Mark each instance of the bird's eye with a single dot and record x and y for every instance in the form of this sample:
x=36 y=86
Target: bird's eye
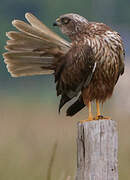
x=65 y=20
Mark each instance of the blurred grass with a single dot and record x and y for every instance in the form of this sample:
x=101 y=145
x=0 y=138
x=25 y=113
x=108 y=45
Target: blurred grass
x=27 y=135
x=51 y=163
x=30 y=127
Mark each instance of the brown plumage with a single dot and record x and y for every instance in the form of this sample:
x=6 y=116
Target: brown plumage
x=87 y=68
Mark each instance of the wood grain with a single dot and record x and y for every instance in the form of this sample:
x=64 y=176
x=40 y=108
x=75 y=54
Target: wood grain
x=97 y=148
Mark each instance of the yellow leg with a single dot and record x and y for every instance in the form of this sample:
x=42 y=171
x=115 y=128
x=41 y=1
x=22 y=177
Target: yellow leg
x=98 y=115
x=98 y=108
x=90 y=116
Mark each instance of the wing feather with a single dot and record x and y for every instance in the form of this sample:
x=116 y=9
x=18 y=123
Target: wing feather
x=75 y=73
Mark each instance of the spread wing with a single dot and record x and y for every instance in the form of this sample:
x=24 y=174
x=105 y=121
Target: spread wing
x=74 y=72
x=33 y=49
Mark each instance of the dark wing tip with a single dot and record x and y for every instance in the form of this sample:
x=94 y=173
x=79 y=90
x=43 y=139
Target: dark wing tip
x=64 y=99
x=76 y=107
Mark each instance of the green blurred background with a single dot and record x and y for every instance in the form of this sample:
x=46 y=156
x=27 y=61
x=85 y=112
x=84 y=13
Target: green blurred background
x=29 y=121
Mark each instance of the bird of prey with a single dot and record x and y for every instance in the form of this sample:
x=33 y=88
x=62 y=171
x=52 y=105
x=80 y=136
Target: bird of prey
x=88 y=67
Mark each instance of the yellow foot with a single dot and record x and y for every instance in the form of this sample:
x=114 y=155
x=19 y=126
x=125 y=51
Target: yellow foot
x=101 y=117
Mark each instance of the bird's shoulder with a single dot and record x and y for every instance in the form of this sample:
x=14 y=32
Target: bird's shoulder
x=96 y=28
x=100 y=31
x=103 y=40
x=107 y=45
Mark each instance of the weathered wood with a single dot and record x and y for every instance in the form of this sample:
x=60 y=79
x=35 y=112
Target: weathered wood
x=97 y=147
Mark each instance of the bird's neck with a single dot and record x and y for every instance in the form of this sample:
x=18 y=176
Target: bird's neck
x=79 y=33
x=76 y=36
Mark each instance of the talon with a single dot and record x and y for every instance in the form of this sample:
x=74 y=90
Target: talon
x=106 y=117
x=101 y=117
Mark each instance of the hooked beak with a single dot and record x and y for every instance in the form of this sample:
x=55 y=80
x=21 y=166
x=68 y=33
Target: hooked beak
x=57 y=22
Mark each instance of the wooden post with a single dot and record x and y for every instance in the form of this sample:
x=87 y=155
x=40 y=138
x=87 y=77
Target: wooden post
x=97 y=147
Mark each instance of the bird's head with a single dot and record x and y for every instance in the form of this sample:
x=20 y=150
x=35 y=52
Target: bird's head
x=71 y=24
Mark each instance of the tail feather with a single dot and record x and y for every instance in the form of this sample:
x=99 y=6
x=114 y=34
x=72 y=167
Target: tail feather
x=20 y=41
x=30 y=30
x=76 y=107
x=39 y=25
x=21 y=54
x=27 y=64
x=20 y=37
x=33 y=50
x=28 y=71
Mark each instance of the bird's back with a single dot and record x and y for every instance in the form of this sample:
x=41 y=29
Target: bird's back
x=108 y=53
